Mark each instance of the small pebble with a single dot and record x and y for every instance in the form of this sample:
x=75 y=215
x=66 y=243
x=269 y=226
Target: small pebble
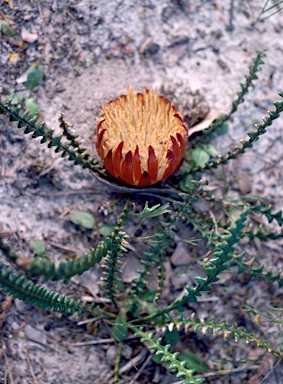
x=111 y=355
x=244 y=183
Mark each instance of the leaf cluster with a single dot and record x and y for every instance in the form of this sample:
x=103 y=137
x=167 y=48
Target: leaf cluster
x=37 y=295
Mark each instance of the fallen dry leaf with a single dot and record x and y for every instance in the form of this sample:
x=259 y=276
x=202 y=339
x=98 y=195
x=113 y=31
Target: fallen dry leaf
x=28 y=36
x=5 y=307
x=205 y=124
x=22 y=79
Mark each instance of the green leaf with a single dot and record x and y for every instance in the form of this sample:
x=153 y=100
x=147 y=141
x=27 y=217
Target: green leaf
x=35 y=75
x=38 y=247
x=32 y=107
x=200 y=156
x=211 y=150
x=222 y=129
x=172 y=337
x=120 y=330
x=84 y=219
x=106 y=229
x=154 y=211
x=186 y=183
x=150 y=309
x=15 y=99
x=5 y=29
x=149 y=295
x=134 y=307
x=193 y=362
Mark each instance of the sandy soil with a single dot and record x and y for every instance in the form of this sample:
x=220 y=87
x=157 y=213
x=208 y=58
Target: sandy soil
x=90 y=53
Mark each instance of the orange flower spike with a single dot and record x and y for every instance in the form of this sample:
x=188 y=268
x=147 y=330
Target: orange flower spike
x=172 y=165
x=109 y=163
x=136 y=166
x=145 y=180
x=152 y=165
x=117 y=160
x=141 y=138
x=176 y=149
x=99 y=137
x=127 y=171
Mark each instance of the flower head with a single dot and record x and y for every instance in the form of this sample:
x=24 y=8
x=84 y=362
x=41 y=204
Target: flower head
x=141 y=138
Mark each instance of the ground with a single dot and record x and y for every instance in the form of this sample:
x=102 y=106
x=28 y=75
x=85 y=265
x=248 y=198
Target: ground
x=91 y=52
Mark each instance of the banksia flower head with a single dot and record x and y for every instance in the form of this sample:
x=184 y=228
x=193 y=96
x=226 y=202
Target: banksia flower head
x=141 y=138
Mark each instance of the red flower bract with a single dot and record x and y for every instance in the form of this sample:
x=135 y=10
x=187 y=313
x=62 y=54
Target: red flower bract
x=141 y=138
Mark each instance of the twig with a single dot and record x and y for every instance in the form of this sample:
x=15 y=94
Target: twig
x=65 y=248
x=93 y=319
x=99 y=341
x=3 y=171
x=73 y=192
x=8 y=365
x=116 y=378
x=145 y=192
x=142 y=191
x=214 y=222
x=133 y=361
x=30 y=367
x=141 y=369
x=230 y=27
x=43 y=344
x=94 y=342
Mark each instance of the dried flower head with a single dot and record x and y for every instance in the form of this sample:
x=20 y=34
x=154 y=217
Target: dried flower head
x=141 y=138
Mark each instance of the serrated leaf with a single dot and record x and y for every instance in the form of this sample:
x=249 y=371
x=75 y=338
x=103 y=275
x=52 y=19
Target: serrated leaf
x=200 y=156
x=200 y=280
x=84 y=219
x=38 y=247
x=34 y=76
x=32 y=107
x=192 y=299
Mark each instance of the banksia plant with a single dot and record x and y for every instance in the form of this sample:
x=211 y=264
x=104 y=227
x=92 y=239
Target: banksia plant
x=141 y=138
